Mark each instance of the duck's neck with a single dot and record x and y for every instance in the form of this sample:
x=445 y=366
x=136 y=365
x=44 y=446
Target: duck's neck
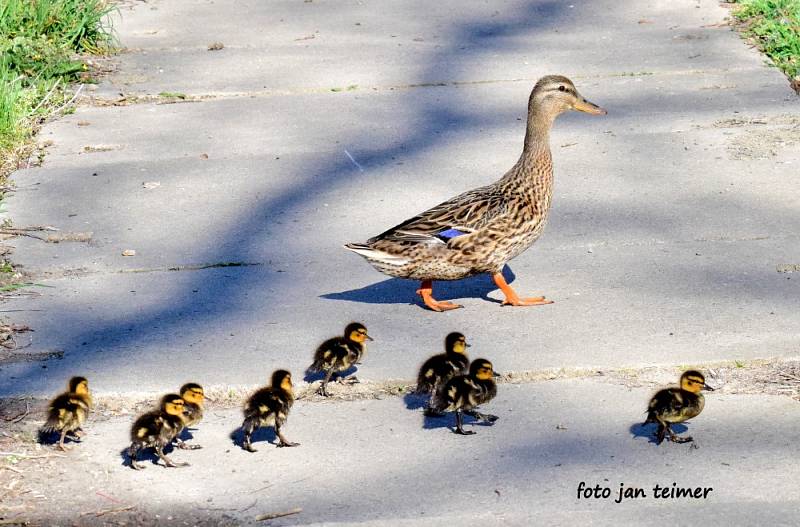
x=534 y=170
x=537 y=133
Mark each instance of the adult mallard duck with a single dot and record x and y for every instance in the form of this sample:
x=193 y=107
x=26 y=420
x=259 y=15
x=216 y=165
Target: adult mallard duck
x=480 y=230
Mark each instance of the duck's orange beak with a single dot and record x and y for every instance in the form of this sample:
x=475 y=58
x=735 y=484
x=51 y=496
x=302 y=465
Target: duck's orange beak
x=582 y=105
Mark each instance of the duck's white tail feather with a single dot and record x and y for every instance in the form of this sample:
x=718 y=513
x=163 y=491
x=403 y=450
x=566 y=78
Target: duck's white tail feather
x=374 y=255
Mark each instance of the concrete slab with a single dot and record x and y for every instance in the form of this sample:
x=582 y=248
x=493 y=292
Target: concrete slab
x=321 y=123
x=280 y=46
x=377 y=463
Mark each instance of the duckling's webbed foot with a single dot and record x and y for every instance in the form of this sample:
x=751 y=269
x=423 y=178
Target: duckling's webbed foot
x=247 y=429
x=426 y=292
x=660 y=433
x=183 y=445
x=433 y=412
x=460 y=425
x=348 y=380
x=282 y=441
x=488 y=418
x=77 y=433
x=323 y=389
x=167 y=461
x=61 y=446
x=512 y=299
x=133 y=453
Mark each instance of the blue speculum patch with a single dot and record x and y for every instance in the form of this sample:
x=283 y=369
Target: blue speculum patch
x=449 y=233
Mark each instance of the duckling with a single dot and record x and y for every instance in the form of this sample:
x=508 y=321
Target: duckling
x=337 y=354
x=439 y=369
x=269 y=406
x=193 y=396
x=675 y=405
x=463 y=393
x=68 y=411
x=157 y=429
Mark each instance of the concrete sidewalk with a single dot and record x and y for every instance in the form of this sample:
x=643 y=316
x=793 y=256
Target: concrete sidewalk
x=670 y=218
x=375 y=462
x=320 y=123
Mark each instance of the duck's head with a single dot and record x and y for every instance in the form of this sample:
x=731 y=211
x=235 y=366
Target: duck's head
x=456 y=343
x=193 y=393
x=693 y=381
x=555 y=94
x=357 y=332
x=482 y=369
x=78 y=385
x=283 y=380
x=173 y=404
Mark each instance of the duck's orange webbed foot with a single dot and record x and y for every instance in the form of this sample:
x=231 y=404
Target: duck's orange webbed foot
x=512 y=299
x=426 y=292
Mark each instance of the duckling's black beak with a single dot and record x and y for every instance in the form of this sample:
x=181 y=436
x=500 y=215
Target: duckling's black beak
x=467 y=345
x=582 y=105
x=707 y=387
x=369 y=338
x=495 y=374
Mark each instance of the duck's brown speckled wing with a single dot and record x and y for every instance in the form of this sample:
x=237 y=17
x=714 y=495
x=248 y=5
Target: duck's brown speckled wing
x=464 y=213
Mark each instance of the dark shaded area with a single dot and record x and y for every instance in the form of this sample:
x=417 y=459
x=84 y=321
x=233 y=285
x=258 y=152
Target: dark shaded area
x=402 y=291
x=339 y=377
x=415 y=401
x=260 y=434
x=149 y=454
x=648 y=430
x=449 y=421
x=479 y=36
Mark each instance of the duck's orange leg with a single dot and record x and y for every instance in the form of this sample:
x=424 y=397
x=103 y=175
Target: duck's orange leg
x=511 y=296
x=426 y=292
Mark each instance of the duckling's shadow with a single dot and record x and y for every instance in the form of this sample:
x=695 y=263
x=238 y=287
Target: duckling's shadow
x=186 y=435
x=311 y=377
x=448 y=420
x=402 y=291
x=648 y=430
x=415 y=401
x=145 y=454
x=51 y=438
x=262 y=433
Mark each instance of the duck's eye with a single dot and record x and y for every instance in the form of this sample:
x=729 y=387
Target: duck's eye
x=562 y=88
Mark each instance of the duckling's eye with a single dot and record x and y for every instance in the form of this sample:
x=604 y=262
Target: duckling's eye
x=562 y=88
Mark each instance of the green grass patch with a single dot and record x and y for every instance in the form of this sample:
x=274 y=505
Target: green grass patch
x=172 y=95
x=775 y=26
x=41 y=43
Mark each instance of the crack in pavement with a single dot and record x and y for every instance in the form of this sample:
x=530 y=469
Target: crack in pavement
x=133 y=98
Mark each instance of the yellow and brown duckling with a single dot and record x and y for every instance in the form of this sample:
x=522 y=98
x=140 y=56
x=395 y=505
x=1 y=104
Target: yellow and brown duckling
x=194 y=398
x=440 y=368
x=463 y=393
x=68 y=411
x=269 y=406
x=338 y=354
x=482 y=229
x=157 y=429
x=675 y=405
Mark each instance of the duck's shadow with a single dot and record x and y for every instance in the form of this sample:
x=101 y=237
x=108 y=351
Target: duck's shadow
x=51 y=438
x=649 y=430
x=415 y=401
x=145 y=454
x=312 y=377
x=186 y=434
x=448 y=420
x=402 y=291
x=262 y=433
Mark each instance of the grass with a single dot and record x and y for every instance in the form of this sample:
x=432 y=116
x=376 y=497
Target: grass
x=775 y=26
x=41 y=42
